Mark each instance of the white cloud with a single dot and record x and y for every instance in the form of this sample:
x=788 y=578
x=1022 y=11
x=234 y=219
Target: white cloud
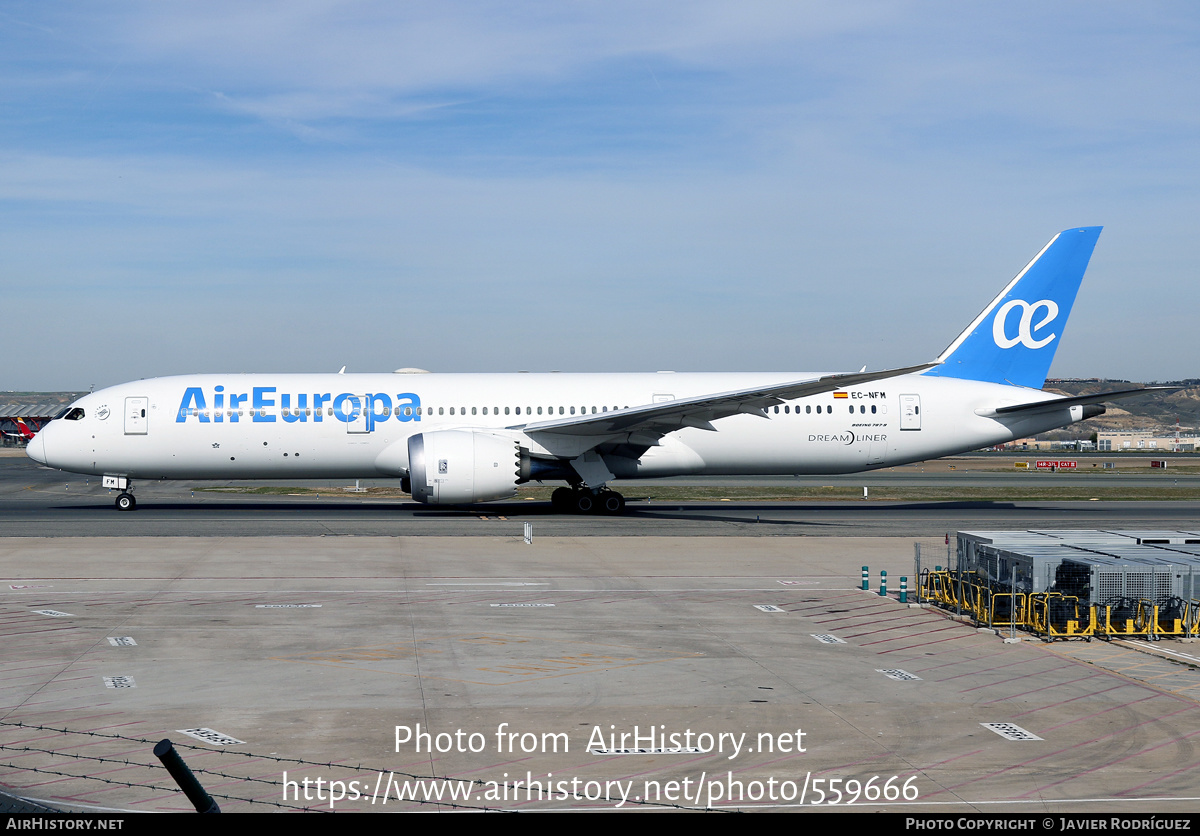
x=587 y=186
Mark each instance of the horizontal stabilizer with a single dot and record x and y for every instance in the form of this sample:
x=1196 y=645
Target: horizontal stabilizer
x=1099 y=397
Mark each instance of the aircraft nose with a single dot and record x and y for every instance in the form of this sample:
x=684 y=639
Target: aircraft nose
x=36 y=448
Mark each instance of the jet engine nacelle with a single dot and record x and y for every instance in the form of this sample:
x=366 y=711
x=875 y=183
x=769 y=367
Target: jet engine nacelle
x=451 y=467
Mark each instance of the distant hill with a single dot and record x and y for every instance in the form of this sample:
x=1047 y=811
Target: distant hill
x=1156 y=411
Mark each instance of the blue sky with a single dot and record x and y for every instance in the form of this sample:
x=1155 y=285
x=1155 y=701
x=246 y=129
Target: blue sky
x=584 y=186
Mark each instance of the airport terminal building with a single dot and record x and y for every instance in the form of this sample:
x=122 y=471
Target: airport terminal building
x=22 y=415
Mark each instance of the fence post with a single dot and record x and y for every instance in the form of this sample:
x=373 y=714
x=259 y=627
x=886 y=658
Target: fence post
x=201 y=800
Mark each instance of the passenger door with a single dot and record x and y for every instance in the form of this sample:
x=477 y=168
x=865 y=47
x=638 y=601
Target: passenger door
x=135 y=415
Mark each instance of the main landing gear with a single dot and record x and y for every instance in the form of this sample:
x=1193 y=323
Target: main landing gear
x=585 y=501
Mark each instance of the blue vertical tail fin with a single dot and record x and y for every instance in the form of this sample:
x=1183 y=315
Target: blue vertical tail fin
x=1013 y=340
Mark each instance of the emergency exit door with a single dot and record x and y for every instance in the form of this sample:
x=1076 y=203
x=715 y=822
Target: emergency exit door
x=910 y=412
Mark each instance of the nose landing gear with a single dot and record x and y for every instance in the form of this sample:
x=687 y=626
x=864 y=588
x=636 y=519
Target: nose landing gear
x=125 y=500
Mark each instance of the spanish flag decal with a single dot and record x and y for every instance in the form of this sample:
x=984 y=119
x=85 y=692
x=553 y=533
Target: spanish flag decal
x=841 y=394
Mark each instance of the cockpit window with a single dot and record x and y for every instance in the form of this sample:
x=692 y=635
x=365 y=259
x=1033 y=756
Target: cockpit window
x=73 y=414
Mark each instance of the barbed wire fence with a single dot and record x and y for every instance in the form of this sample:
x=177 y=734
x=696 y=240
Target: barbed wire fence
x=272 y=787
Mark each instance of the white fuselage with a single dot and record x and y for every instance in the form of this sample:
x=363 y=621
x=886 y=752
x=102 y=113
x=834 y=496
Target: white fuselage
x=357 y=426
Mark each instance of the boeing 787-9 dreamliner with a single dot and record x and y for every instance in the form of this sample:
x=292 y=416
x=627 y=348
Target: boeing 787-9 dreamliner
x=460 y=438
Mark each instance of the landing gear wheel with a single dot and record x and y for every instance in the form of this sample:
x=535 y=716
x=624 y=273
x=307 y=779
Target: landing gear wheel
x=563 y=499
x=610 y=502
x=585 y=502
x=126 y=502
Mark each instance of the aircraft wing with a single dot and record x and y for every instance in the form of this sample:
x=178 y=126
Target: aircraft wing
x=1078 y=400
x=652 y=421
